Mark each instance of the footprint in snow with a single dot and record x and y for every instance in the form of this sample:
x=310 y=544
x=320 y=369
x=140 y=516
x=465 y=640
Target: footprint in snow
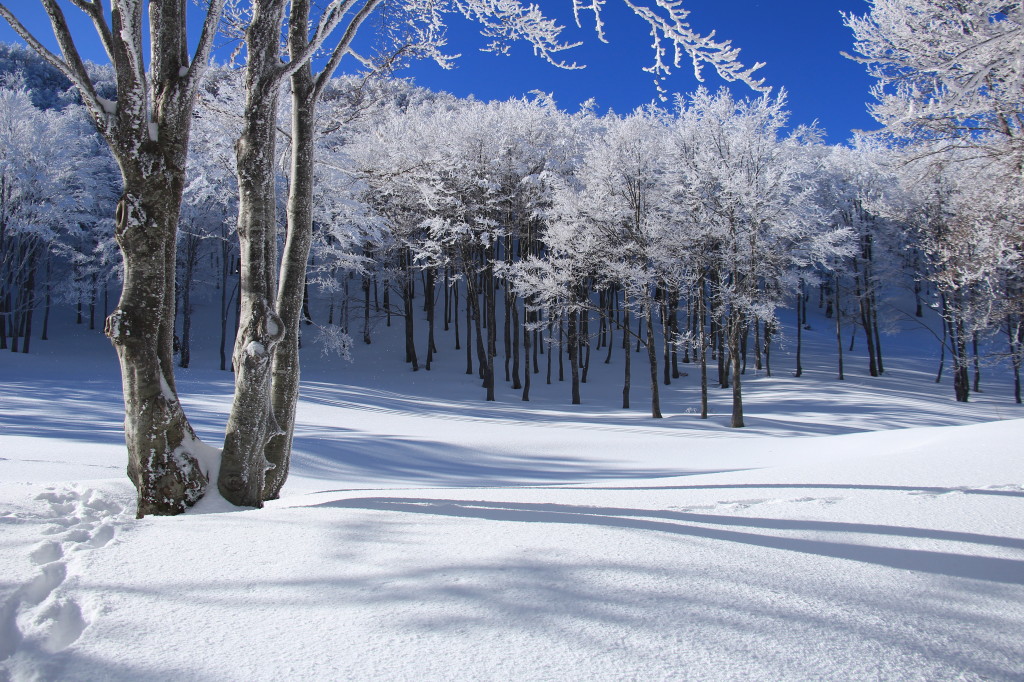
x=37 y=616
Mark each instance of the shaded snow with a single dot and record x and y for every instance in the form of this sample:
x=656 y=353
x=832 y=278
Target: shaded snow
x=872 y=529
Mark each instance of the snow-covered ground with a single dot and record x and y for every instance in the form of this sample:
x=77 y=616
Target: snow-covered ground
x=858 y=530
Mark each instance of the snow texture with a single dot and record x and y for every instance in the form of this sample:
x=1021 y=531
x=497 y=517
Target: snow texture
x=859 y=530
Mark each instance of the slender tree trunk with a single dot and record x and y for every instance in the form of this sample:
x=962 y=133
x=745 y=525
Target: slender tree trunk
x=366 y=309
x=877 y=334
x=703 y=341
x=674 y=330
x=652 y=359
x=470 y=295
x=428 y=293
x=252 y=422
x=30 y=298
x=516 y=329
x=484 y=358
x=976 y=362
x=666 y=334
x=626 y=351
x=455 y=314
x=527 y=374
x=550 y=349
x=1015 y=335
x=734 y=325
x=839 y=325
x=585 y=344
x=942 y=347
x=613 y=300
x=409 y=313
x=574 y=355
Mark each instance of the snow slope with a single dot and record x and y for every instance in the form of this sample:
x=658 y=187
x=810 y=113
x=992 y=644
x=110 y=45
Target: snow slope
x=872 y=529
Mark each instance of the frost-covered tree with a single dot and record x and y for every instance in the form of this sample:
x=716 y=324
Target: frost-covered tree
x=146 y=126
x=970 y=236
x=744 y=190
x=147 y=122
x=614 y=227
x=948 y=71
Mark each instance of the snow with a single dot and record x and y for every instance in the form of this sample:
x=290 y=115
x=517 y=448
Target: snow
x=867 y=529
x=108 y=106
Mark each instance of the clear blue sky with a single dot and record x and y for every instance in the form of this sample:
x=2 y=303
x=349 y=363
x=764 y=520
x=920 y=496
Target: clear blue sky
x=800 y=41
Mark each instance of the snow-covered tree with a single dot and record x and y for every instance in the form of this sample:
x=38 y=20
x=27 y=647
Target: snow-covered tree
x=948 y=71
x=147 y=128
x=743 y=188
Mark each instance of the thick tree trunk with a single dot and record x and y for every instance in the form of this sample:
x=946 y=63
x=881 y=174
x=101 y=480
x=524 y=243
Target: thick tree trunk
x=161 y=459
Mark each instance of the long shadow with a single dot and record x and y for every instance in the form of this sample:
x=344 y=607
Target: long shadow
x=992 y=569
x=914 y=489
x=89 y=410
x=92 y=413
x=341 y=454
x=820 y=409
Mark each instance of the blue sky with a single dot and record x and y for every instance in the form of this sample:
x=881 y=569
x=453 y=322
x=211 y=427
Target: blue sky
x=800 y=41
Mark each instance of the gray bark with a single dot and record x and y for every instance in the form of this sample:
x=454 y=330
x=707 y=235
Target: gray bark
x=148 y=135
x=251 y=423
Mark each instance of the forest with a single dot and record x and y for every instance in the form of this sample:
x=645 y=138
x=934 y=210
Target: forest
x=538 y=236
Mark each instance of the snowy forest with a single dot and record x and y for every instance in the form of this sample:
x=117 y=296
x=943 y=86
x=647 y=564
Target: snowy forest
x=416 y=386
x=540 y=239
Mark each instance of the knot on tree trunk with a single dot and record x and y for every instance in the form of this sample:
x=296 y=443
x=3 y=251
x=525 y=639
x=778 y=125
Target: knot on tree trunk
x=130 y=219
x=118 y=326
x=266 y=330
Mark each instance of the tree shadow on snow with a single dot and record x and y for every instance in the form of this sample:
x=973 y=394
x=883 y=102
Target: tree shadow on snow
x=340 y=454
x=994 y=569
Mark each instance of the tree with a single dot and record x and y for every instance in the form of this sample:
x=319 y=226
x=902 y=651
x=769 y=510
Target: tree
x=147 y=126
x=744 y=191
x=147 y=129
x=947 y=71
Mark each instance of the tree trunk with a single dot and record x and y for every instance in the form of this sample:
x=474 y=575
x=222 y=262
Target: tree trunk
x=161 y=460
x=527 y=373
x=626 y=351
x=366 y=309
x=652 y=359
x=516 y=367
x=428 y=292
x=799 y=331
x=252 y=423
x=574 y=356
x=839 y=325
x=735 y=324
x=703 y=341
x=291 y=293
